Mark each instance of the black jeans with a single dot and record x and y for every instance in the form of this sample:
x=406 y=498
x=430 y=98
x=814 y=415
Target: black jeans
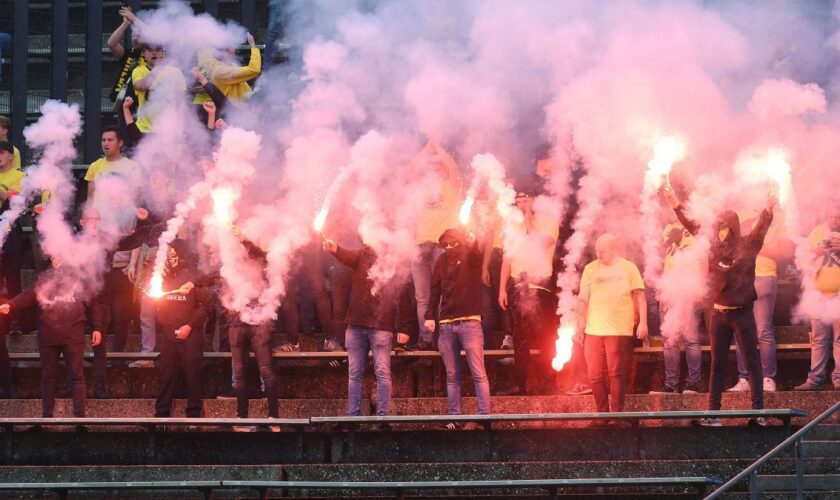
x=185 y=357
x=615 y=354
x=5 y=363
x=117 y=296
x=342 y=276
x=307 y=285
x=74 y=357
x=245 y=338
x=11 y=262
x=533 y=324
x=741 y=324
x=493 y=317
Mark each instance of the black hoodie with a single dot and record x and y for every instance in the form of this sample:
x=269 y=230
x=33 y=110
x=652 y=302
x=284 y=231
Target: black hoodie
x=456 y=284
x=385 y=311
x=63 y=303
x=732 y=261
x=176 y=310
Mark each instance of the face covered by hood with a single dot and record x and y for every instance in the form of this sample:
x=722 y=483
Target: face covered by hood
x=728 y=231
x=453 y=241
x=177 y=255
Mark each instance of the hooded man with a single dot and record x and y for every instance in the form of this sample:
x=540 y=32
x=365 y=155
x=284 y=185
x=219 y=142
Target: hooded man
x=63 y=299
x=732 y=290
x=181 y=312
x=455 y=303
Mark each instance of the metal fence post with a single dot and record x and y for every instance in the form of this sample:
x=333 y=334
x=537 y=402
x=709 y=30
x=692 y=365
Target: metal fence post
x=800 y=466
x=753 y=479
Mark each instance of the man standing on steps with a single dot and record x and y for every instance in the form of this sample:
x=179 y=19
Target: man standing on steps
x=455 y=303
x=181 y=313
x=825 y=244
x=371 y=321
x=732 y=290
x=611 y=294
x=777 y=246
x=63 y=302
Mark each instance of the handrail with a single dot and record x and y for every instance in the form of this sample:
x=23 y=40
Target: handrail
x=795 y=438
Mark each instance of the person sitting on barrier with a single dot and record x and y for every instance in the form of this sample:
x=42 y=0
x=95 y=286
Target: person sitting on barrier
x=372 y=319
x=63 y=301
x=455 y=303
x=611 y=294
x=732 y=289
x=181 y=312
x=825 y=243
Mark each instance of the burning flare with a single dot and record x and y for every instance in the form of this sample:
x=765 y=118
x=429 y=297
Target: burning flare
x=321 y=219
x=466 y=210
x=155 y=286
x=778 y=169
x=563 y=347
x=668 y=150
x=223 y=199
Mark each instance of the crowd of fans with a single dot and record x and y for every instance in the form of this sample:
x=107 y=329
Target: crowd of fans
x=464 y=289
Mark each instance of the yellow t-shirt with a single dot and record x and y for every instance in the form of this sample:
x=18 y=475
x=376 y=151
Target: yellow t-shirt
x=828 y=275
x=16 y=158
x=531 y=252
x=764 y=266
x=11 y=179
x=676 y=238
x=608 y=290
x=169 y=76
x=440 y=214
x=124 y=166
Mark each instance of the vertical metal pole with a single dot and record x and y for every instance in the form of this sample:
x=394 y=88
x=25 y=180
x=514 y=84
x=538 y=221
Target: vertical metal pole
x=20 y=53
x=212 y=7
x=800 y=466
x=93 y=80
x=60 y=19
x=248 y=14
x=753 y=479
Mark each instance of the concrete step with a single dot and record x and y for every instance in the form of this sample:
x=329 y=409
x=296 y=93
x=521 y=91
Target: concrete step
x=825 y=432
x=411 y=377
x=821 y=449
x=813 y=404
x=811 y=482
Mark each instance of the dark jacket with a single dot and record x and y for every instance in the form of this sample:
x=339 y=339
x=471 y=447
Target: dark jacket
x=456 y=285
x=63 y=304
x=176 y=310
x=383 y=311
x=732 y=261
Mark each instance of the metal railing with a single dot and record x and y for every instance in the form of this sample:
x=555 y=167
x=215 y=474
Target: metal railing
x=751 y=472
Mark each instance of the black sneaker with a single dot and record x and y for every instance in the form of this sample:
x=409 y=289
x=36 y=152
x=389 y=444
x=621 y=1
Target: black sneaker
x=691 y=388
x=100 y=393
x=229 y=394
x=758 y=422
x=513 y=391
x=707 y=422
x=420 y=345
x=665 y=389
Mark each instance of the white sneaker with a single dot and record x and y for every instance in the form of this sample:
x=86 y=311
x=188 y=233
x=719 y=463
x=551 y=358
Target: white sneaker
x=769 y=385
x=507 y=343
x=741 y=386
x=142 y=363
x=244 y=428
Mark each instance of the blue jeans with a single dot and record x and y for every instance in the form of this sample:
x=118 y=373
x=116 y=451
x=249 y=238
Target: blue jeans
x=469 y=337
x=765 y=287
x=275 y=31
x=358 y=340
x=421 y=274
x=690 y=333
x=821 y=341
x=148 y=326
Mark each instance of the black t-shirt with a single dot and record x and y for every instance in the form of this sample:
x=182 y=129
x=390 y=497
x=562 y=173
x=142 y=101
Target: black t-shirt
x=128 y=62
